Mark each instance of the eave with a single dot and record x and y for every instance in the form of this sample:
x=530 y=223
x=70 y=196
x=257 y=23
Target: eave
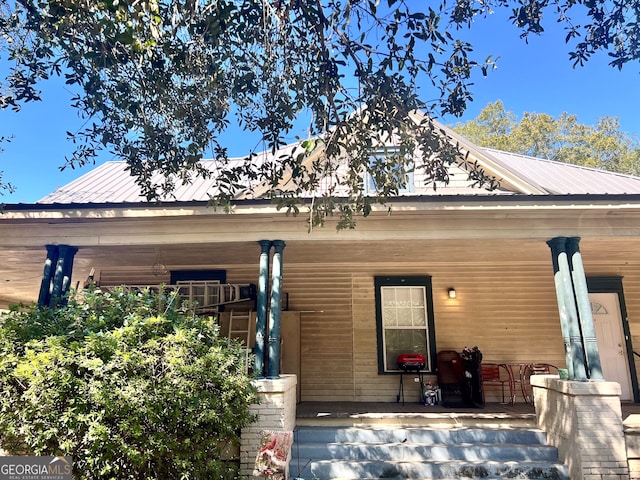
x=257 y=207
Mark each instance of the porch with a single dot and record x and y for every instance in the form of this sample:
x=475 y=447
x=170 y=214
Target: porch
x=351 y=421
x=308 y=413
x=370 y=412
x=318 y=417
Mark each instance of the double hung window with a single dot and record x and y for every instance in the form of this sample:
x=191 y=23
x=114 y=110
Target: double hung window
x=404 y=316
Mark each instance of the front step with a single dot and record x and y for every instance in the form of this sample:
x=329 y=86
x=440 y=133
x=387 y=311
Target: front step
x=345 y=469
x=422 y=453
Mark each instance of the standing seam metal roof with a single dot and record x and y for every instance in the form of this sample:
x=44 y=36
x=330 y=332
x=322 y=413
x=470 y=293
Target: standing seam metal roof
x=112 y=183
x=567 y=179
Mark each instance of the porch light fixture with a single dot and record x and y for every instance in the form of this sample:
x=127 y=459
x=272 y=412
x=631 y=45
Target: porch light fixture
x=452 y=292
x=158 y=267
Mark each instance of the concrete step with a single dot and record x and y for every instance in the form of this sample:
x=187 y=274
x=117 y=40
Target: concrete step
x=409 y=452
x=349 y=469
x=420 y=435
x=423 y=453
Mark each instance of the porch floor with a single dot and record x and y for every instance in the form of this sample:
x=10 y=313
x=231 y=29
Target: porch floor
x=410 y=410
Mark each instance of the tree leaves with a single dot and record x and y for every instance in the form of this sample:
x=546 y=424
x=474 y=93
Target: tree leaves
x=561 y=139
x=161 y=80
x=131 y=384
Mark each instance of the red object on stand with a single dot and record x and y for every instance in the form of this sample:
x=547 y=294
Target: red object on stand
x=411 y=361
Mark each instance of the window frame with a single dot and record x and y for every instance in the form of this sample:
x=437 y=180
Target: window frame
x=406 y=281
x=220 y=275
x=202 y=278
x=382 y=153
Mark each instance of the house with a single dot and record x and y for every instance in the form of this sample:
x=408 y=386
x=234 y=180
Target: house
x=341 y=328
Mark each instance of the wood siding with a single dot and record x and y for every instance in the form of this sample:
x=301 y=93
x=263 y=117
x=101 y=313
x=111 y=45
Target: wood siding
x=507 y=308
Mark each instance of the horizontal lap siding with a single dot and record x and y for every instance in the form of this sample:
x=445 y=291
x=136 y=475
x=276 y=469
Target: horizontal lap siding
x=369 y=385
x=132 y=276
x=323 y=295
x=509 y=313
x=508 y=310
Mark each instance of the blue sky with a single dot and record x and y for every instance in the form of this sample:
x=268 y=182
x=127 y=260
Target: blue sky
x=533 y=77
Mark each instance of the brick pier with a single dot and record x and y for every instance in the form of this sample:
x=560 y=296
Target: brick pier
x=584 y=421
x=276 y=412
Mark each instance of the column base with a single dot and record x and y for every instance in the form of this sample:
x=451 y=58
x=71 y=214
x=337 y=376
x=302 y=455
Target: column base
x=276 y=412
x=584 y=421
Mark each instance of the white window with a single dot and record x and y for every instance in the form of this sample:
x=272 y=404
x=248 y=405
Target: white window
x=201 y=293
x=405 y=325
x=382 y=159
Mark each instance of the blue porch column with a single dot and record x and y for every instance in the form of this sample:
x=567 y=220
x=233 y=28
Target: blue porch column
x=62 y=275
x=261 y=309
x=587 y=327
x=569 y=322
x=44 y=296
x=273 y=364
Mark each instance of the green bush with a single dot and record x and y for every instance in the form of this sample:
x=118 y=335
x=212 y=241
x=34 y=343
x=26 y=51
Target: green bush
x=130 y=384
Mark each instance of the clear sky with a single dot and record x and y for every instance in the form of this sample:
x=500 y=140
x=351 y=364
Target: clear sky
x=533 y=77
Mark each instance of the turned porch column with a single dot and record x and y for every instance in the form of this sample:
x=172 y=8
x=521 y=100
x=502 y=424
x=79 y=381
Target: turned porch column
x=569 y=322
x=49 y=267
x=62 y=276
x=273 y=363
x=587 y=328
x=56 y=276
x=261 y=308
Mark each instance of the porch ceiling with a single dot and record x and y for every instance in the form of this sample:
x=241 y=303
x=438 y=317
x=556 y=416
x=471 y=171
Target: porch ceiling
x=21 y=267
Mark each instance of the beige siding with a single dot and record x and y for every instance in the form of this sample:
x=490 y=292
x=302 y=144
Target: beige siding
x=508 y=310
x=131 y=276
x=323 y=295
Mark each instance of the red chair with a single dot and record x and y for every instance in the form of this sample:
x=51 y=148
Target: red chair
x=517 y=374
x=499 y=374
x=451 y=378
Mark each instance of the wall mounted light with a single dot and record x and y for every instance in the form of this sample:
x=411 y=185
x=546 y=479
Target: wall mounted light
x=158 y=267
x=452 y=292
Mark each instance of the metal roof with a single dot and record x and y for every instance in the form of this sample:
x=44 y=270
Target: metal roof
x=566 y=179
x=112 y=183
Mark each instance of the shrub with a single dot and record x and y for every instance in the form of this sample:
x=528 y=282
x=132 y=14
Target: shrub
x=130 y=384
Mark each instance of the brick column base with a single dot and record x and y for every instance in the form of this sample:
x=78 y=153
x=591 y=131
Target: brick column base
x=276 y=411
x=632 y=437
x=584 y=421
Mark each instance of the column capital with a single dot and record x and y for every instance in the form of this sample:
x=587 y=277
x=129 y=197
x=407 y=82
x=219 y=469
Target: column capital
x=68 y=249
x=265 y=245
x=279 y=245
x=557 y=243
x=573 y=243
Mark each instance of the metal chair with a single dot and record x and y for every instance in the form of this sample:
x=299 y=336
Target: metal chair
x=499 y=374
x=517 y=375
x=535 y=369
